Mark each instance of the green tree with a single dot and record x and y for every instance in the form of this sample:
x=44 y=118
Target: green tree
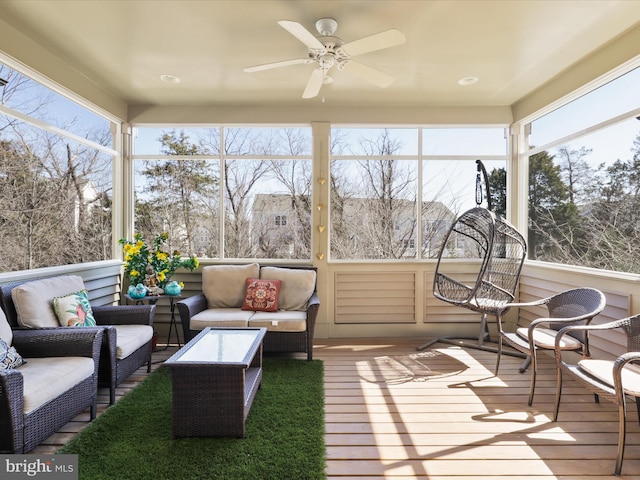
x=614 y=218
x=175 y=189
x=554 y=221
x=498 y=189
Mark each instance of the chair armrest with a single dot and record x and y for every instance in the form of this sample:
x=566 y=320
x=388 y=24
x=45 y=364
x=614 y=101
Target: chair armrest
x=58 y=342
x=546 y=321
x=534 y=303
x=571 y=328
x=124 y=314
x=618 y=365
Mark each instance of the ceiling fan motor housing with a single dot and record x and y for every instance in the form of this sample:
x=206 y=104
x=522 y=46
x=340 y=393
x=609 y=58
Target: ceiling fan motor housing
x=326 y=26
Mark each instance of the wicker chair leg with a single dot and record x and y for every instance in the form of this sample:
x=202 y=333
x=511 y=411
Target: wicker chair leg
x=498 y=356
x=622 y=418
x=556 y=409
x=534 y=371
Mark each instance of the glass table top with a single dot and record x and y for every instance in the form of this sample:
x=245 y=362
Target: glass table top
x=222 y=346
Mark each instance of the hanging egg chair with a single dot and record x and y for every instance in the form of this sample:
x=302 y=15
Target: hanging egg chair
x=494 y=252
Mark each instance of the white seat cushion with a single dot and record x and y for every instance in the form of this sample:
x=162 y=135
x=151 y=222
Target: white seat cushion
x=220 y=317
x=546 y=338
x=130 y=338
x=286 y=321
x=603 y=370
x=48 y=378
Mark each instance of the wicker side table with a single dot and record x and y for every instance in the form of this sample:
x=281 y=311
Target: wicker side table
x=215 y=378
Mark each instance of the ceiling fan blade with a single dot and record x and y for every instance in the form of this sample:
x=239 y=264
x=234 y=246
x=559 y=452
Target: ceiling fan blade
x=369 y=74
x=378 y=41
x=284 y=63
x=314 y=84
x=301 y=33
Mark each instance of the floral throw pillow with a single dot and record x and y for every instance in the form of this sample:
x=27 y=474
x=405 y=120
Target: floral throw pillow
x=261 y=295
x=9 y=357
x=74 y=310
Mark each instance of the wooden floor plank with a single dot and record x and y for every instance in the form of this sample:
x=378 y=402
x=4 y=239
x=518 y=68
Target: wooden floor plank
x=394 y=413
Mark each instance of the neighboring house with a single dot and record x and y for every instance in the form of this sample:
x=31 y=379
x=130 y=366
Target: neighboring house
x=277 y=226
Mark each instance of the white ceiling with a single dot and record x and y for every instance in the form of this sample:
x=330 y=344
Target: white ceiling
x=512 y=46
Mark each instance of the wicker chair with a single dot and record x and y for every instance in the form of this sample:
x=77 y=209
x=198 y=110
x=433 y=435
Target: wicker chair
x=575 y=306
x=114 y=369
x=21 y=430
x=612 y=379
x=495 y=251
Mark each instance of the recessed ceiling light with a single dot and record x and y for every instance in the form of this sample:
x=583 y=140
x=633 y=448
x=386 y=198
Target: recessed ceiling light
x=168 y=78
x=467 y=81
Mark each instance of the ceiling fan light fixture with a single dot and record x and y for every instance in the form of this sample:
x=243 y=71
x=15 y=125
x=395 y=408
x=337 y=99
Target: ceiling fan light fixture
x=468 y=81
x=168 y=78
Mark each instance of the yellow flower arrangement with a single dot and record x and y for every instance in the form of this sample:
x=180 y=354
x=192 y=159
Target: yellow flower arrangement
x=141 y=261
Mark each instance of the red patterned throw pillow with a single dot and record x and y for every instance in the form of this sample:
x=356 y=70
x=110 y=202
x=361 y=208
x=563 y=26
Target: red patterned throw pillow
x=261 y=295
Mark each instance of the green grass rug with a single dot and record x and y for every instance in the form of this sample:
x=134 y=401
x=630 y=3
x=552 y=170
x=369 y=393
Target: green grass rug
x=284 y=434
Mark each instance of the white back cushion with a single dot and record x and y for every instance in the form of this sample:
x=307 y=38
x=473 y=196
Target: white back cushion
x=296 y=288
x=34 y=300
x=5 y=329
x=224 y=285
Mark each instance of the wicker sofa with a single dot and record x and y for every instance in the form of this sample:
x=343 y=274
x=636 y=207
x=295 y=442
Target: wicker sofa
x=223 y=303
x=58 y=381
x=128 y=329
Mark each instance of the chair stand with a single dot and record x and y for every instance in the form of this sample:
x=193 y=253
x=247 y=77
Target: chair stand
x=483 y=337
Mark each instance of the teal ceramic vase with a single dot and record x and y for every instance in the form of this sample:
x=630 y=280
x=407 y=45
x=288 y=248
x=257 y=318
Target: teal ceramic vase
x=172 y=288
x=137 y=292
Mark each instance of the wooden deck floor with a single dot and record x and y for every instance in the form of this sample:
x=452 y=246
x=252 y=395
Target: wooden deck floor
x=395 y=413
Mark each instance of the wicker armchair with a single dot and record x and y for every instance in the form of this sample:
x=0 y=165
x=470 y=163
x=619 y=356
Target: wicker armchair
x=115 y=366
x=21 y=430
x=575 y=306
x=613 y=379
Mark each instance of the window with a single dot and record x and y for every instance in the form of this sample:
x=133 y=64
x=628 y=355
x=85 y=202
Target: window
x=223 y=192
x=56 y=164
x=584 y=182
x=395 y=188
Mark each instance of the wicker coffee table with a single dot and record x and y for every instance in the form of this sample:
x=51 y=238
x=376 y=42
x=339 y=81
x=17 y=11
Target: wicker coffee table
x=215 y=378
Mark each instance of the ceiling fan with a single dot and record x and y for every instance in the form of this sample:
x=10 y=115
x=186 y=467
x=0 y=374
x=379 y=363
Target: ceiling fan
x=328 y=51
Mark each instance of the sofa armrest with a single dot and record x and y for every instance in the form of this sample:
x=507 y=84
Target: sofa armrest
x=312 y=313
x=59 y=342
x=11 y=410
x=189 y=307
x=124 y=314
